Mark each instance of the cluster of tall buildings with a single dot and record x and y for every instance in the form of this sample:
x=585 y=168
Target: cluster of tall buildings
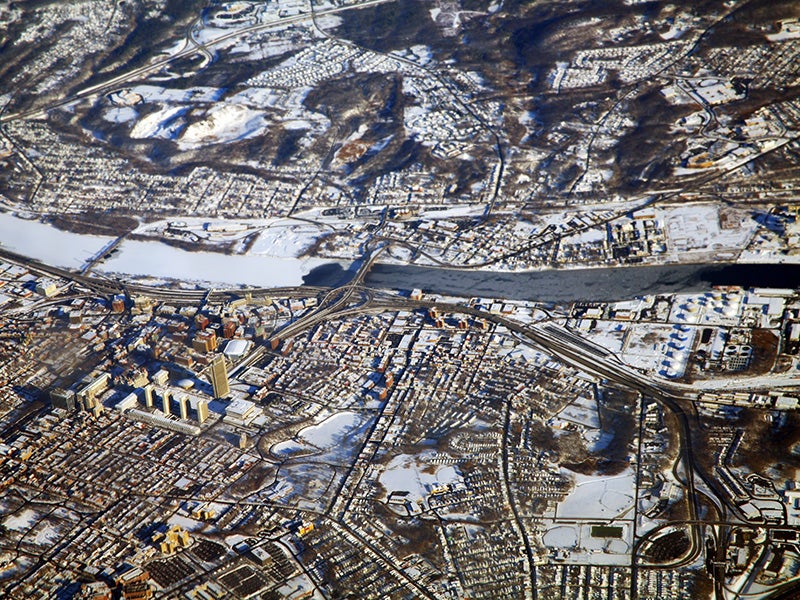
x=86 y=396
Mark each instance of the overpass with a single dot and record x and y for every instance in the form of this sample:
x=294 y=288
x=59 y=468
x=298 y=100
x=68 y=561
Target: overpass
x=334 y=301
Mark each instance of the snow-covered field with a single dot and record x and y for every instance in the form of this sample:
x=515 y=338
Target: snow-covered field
x=602 y=498
x=561 y=536
x=336 y=435
x=594 y=501
x=406 y=473
x=583 y=547
x=331 y=430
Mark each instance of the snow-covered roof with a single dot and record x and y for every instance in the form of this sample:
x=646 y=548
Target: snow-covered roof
x=235 y=348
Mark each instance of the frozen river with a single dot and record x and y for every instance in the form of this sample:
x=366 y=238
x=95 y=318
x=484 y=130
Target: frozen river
x=159 y=261
x=150 y=259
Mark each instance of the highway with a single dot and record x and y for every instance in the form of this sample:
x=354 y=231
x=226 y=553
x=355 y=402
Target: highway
x=560 y=342
x=583 y=354
x=335 y=300
x=580 y=353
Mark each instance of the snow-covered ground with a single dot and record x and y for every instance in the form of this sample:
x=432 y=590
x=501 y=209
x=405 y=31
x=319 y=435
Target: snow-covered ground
x=335 y=436
x=413 y=474
x=299 y=586
x=120 y=114
x=223 y=123
x=22 y=521
x=789 y=30
x=561 y=536
x=594 y=500
x=153 y=93
x=582 y=547
x=286 y=238
x=45 y=535
x=600 y=498
x=164 y=123
x=308 y=482
x=331 y=430
x=187 y=523
x=697 y=228
x=581 y=411
x=648 y=348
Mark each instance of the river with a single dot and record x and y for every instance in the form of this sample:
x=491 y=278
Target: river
x=606 y=283
x=157 y=260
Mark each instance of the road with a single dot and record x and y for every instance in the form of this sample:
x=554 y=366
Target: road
x=193 y=48
x=558 y=341
x=509 y=498
x=335 y=300
x=497 y=174
x=583 y=354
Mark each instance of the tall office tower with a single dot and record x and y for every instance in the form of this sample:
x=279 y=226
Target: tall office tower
x=202 y=411
x=148 y=395
x=165 y=398
x=183 y=401
x=219 y=377
x=243 y=440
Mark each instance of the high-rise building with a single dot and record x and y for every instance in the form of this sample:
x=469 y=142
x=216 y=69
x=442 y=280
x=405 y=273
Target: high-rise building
x=165 y=398
x=219 y=377
x=148 y=396
x=243 y=440
x=183 y=401
x=201 y=321
x=91 y=386
x=204 y=341
x=202 y=411
x=229 y=328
